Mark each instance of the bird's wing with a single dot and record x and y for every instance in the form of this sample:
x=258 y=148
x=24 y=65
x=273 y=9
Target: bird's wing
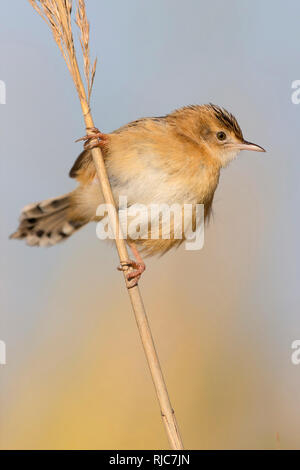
x=82 y=163
x=83 y=169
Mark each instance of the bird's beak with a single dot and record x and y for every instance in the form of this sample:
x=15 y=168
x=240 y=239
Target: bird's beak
x=249 y=146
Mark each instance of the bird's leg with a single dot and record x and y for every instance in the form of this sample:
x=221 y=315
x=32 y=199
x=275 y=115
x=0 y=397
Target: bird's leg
x=95 y=138
x=138 y=266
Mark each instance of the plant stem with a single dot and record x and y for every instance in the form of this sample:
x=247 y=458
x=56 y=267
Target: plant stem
x=167 y=412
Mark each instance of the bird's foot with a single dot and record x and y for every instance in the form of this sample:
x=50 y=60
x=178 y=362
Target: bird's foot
x=132 y=277
x=93 y=139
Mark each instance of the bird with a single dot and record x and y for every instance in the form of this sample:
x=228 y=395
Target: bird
x=175 y=158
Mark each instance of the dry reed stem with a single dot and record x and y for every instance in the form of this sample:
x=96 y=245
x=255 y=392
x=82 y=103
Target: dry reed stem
x=84 y=27
x=57 y=14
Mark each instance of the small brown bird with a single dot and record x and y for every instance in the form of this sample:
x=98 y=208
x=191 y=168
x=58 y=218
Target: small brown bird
x=176 y=158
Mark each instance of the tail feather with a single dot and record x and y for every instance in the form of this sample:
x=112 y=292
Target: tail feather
x=41 y=209
x=48 y=222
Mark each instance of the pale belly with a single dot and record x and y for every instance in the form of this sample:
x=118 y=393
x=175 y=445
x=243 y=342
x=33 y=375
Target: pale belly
x=144 y=194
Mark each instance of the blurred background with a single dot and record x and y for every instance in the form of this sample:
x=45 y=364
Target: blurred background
x=223 y=318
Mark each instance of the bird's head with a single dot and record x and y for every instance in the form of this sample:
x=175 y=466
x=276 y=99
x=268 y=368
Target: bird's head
x=217 y=129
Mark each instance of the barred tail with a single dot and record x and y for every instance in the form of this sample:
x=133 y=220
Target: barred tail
x=48 y=222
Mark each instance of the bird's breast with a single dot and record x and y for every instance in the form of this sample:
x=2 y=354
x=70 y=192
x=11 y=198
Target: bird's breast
x=146 y=175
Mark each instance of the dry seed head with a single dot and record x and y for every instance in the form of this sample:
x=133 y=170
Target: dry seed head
x=57 y=14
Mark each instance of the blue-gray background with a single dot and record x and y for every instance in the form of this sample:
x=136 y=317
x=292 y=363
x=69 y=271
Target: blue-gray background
x=224 y=318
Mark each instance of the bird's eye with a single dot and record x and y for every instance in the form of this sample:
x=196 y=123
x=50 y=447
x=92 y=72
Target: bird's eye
x=221 y=135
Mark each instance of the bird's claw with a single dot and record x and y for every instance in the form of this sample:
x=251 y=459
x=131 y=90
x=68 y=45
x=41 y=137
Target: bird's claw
x=133 y=276
x=93 y=139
